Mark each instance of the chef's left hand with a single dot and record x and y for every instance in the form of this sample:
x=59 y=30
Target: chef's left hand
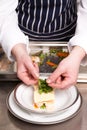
x=67 y=71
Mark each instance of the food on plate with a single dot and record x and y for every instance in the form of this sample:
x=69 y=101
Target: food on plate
x=44 y=96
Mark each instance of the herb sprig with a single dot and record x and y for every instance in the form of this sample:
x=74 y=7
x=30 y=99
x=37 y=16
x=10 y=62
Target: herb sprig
x=43 y=86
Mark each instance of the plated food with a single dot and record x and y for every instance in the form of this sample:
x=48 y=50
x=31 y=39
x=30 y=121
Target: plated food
x=43 y=99
x=44 y=96
x=23 y=93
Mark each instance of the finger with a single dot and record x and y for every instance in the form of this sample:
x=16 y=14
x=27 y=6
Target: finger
x=36 y=66
x=54 y=76
x=32 y=69
x=58 y=81
x=55 y=85
x=27 y=79
x=66 y=83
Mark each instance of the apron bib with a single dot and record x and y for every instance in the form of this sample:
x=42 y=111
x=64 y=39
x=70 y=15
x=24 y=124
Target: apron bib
x=47 y=20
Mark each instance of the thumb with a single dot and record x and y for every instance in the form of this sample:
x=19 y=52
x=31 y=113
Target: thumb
x=34 y=72
x=56 y=75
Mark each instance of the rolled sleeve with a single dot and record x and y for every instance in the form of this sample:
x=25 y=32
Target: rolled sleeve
x=80 y=38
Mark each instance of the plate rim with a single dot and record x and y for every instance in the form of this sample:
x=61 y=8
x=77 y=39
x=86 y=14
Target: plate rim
x=43 y=123
x=37 y=112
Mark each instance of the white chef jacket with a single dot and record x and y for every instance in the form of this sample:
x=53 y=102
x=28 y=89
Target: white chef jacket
x=80 y=37
x=10 y=33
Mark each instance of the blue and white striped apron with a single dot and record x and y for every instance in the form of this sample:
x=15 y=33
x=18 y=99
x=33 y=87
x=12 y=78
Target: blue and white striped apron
x=47 y=20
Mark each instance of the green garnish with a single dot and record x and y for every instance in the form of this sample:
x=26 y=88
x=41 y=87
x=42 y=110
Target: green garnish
x=53 y=50
x=43 y=106
x=43 y=86
x=42 y=57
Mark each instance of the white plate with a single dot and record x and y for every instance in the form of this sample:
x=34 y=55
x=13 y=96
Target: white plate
x=42 y=119
x=63 y=99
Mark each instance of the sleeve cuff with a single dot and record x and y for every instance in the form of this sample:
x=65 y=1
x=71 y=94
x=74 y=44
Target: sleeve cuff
x=79 y=40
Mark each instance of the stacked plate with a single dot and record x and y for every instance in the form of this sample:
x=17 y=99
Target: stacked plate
x=67 y=104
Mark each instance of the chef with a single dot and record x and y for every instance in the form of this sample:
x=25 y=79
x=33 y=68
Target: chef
x=44 y=20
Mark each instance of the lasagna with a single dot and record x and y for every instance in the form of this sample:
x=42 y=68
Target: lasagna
x=43 y=96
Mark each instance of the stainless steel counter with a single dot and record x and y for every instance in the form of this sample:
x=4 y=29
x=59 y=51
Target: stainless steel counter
x=9 y=122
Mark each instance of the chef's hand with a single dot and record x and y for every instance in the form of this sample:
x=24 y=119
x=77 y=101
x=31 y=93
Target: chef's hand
x=27 y=71
x=67 y=71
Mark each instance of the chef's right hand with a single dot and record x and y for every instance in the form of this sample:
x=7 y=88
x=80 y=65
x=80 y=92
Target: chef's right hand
x=27 y=71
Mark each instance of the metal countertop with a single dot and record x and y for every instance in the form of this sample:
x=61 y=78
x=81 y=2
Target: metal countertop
x=9 y=122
